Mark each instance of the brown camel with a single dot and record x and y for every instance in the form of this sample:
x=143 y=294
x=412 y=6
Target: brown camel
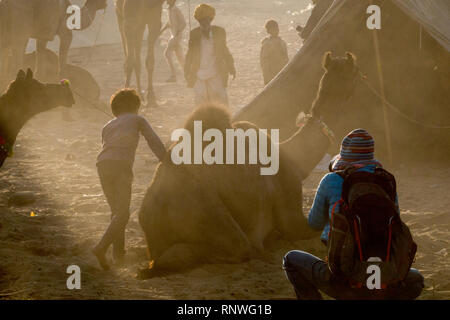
x=195 y=214
x=41 y=20
x=133 y=17
x=25 y=98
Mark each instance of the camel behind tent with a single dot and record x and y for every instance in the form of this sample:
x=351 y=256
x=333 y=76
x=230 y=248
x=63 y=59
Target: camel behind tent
x=415 y=67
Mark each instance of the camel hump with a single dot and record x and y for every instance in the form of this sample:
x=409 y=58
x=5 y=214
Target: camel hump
x=211 y=116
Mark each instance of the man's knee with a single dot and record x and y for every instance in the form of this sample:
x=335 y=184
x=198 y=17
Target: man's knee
x=291 y=258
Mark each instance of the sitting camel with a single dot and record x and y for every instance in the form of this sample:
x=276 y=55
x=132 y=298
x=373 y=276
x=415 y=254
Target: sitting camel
x=195 y=214
x=25 y=98
x=81 y=80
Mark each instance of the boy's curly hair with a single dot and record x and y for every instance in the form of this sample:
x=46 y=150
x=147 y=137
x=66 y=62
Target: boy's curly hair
x=124 y=101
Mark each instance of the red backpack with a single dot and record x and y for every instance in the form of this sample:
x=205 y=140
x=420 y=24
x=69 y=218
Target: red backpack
x=368 y=225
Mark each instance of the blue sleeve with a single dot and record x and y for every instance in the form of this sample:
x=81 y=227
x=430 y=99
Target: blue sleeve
x=318 y=215
x=396 y=204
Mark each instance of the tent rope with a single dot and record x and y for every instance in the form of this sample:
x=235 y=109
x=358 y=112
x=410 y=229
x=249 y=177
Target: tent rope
x=92 y=104
x=397 y=110
x=189 y=15
x=96 y=37
x=387 y=128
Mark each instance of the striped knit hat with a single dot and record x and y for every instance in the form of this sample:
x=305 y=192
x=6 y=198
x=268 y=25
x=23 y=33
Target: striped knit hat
x=357 y=150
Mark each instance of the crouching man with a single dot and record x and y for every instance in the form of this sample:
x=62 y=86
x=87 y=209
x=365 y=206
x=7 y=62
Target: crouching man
x=370 y=250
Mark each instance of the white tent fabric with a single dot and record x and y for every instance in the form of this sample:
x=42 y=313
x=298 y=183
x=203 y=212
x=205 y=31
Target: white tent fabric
x=433 y=15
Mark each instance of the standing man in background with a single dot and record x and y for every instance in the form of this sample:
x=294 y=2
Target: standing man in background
x=208 y=61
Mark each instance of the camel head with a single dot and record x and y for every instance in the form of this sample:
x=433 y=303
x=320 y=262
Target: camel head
x=97 y=4
x=34 y=97
x=336 y=86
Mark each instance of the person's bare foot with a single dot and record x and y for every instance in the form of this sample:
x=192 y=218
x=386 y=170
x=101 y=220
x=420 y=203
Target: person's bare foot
x=101 y=257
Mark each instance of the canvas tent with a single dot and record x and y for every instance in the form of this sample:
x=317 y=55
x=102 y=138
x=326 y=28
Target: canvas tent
x=413 y=51
x=433 y=15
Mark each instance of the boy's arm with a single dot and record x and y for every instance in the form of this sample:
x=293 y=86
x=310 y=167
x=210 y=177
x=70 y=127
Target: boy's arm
x=318 y=215
x=153 y=141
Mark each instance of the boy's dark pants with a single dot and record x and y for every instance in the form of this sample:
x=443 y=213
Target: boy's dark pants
x=116 y=178
x=309 y=274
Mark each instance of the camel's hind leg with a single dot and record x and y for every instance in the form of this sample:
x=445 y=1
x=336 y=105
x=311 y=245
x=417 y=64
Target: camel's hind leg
x=154 y=28
x=137 y=58
x=120 y=17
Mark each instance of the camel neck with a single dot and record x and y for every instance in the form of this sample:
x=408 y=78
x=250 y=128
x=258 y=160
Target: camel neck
x=304 y=150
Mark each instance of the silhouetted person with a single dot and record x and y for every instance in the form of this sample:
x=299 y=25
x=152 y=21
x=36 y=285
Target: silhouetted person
x=120 y=138
x=274 y=54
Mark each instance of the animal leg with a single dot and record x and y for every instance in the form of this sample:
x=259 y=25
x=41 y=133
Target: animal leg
x=65 y=40
x=130 y=44
x=154 y=29
x=17 y=56
x=120 y=17
x=137 y=59
x=40 y=60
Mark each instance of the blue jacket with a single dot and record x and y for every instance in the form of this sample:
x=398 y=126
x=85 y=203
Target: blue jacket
x=328 y=193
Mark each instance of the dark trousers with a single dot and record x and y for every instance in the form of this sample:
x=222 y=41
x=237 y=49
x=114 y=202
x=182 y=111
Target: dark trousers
x=116 y=178
x=309 y=274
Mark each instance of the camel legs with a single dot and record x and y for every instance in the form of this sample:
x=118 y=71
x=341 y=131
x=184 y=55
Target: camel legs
x=16 y=58
x=119 y=15
x=133 y=44
x=41 y=45
x=153 y=35
x=65 y=41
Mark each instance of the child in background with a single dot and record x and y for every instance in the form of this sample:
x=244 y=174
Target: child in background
x=274 y=54
x=177 y=24
x=120 y=139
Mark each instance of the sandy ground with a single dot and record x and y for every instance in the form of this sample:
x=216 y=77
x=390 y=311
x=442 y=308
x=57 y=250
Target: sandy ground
x=55 y=160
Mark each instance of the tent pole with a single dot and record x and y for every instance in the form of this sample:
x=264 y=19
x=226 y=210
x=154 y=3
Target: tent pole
x=189 y=13
x=383 y=95
x=420 y=37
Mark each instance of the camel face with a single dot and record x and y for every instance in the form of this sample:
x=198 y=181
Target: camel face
x=36 y=96
x=336 y=86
